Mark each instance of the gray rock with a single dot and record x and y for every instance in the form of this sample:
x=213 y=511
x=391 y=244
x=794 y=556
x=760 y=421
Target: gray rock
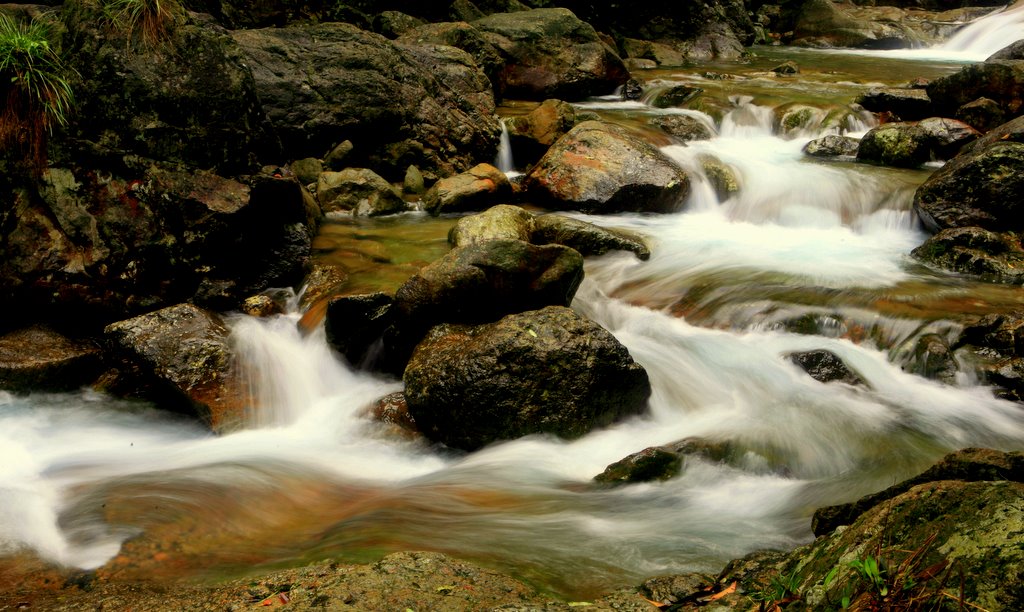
x=359 y=190
x=587 y=238
x=832 y=146
x=501 y=222
x=683 y=127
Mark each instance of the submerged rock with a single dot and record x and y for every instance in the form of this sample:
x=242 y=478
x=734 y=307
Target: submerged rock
x=184 y=359
x=545 y=371
x=825 y=366
x=39 y=358
x=652 y=463
x=601 y=168
x=676 y=96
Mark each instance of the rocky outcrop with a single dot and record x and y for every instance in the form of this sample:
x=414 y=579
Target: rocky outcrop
x=822 y=23
x=602 y=168
x=546 y=371
x=182 y=361
x=1001 y=81
x=906 y=104
x=481 y=186
x=103 y=247
x=463 y=36
x=41 y=358
x=190 y=100
x=550 y=53
x=398 y=105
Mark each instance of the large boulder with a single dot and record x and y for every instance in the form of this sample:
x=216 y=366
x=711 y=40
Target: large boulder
x=354 y=323
x=823 y=23
x=360 y=191
x=904 y=145
x=40 y=358
x=602 y=168
x=980 y=187
x=546 y=371
x=190 y=99
x=832 y=145
x=501 y=222
x=464 y=36
x=90 y=248
x=550 y=53
x=484 y=281
x=182 y=360
x=908 y=104
x=398 y=105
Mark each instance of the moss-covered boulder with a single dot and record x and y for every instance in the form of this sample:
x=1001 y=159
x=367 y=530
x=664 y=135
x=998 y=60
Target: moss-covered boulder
x=544 y=371
x=501 y=222
x=904 y=145
x=975 y=251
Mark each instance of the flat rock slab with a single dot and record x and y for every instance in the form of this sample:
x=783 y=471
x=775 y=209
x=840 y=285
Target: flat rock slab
x=38 y=358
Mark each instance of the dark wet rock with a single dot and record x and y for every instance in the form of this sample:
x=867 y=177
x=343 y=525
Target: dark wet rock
x=632 y=90
x=721 y=176
x=975 y=251
x=1013 y=51
x=982 y=114
x=904 y=145
x=652 y=463
x=191 y=100
x=501 y=222
x=832 y=146
x=602 y=168
x=1011 y=131
x=392 y=24
x=675 y=96
x=918 y=83
x=479 y=187
x=905 y=103
x=487 y=280
x=354 y=323
x=999 y=80
x=392 y=409
x=683 y=127
x=932 y=358
x=660 y=53
x=185 y=358
x=531 y=135
x=967 y=465
x=360 y=191
x=550 y=53
x=545 y=371
x=307 y=170
x=786 y=68
x=462 y=36
x=587 y=238
x=337 y=158
x=39 y=358
x=980 y=187
x=1002 y=332
x=106 y=246
x=398 y=105
x=830 y=325
x=825 y=366
x=677 y=588
x=947 y=136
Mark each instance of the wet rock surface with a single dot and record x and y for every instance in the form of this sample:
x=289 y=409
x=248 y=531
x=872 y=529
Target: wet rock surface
x=972 y=250
x=601 y=168
x=40 y=358
x=545 y=371
x=832 y=146
x=481 y=186
x=826 y=367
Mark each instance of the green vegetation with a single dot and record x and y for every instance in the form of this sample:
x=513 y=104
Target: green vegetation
x=33 y=85
x=149 y=20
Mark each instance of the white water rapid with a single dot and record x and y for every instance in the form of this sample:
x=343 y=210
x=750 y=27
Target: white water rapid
x=84 y=476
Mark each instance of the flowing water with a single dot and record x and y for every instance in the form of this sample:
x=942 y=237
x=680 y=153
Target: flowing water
x=91 y=482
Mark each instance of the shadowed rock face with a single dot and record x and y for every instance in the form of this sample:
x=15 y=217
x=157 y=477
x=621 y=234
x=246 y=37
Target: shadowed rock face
x=544 y=371
x=40 y=358
x=428 y=106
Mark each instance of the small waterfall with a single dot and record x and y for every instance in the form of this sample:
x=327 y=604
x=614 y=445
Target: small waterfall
x=989 y=34
x=504 y=160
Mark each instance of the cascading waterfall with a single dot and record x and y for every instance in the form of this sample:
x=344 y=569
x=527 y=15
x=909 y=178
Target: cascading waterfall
x=504 y=160
x=314 y=477
x=989 y=34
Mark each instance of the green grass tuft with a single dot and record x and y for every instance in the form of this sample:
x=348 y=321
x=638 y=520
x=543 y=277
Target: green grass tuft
x=149 y=20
